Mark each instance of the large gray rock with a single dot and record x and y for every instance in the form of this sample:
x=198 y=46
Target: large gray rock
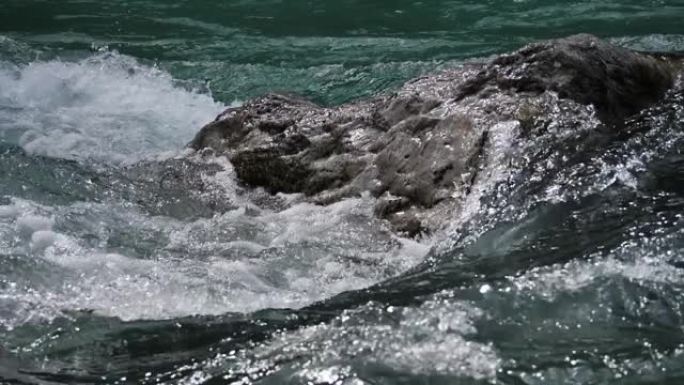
x=420 y=149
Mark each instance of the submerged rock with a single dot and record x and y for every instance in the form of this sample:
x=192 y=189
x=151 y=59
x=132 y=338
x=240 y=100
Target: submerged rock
x=421 y=149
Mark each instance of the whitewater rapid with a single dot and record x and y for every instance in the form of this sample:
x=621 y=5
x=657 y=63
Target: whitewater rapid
x=563 y=270
x=112 y=257
x=106 y=107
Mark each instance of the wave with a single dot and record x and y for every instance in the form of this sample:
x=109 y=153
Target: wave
x=107 y=107
x=120 y=262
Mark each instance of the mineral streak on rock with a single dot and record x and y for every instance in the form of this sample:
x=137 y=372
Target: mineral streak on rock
x=421 y=149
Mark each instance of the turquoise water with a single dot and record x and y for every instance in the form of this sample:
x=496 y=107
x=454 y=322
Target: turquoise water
x=329 y=51
x=111 y=273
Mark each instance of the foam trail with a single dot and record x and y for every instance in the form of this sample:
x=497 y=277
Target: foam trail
x=107 y=107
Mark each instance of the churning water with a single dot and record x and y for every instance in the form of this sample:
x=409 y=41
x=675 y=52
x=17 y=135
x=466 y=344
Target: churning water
x=567 y=265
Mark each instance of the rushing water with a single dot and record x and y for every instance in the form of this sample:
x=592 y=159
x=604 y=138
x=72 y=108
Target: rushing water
x=565 y=268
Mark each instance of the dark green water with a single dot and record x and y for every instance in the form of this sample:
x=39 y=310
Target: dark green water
x=572 y=272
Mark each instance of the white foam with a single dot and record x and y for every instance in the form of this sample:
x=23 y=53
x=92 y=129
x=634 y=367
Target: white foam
x=8 y=211
x=28 y=224
x=106 y=107
x=42 y=239
x=239 y=261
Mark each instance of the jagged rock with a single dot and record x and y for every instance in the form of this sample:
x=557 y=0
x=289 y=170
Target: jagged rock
x=616 y=81
x=420 y=149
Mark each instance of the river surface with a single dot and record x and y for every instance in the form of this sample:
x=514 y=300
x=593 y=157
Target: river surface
x=567 y=270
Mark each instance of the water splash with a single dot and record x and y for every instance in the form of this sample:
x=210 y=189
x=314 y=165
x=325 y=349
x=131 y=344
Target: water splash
x=107 y=107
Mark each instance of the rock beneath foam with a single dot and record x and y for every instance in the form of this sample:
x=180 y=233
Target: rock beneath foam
x=420 y=150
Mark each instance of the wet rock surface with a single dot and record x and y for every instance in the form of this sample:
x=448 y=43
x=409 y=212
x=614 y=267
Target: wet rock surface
x=421 y=149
